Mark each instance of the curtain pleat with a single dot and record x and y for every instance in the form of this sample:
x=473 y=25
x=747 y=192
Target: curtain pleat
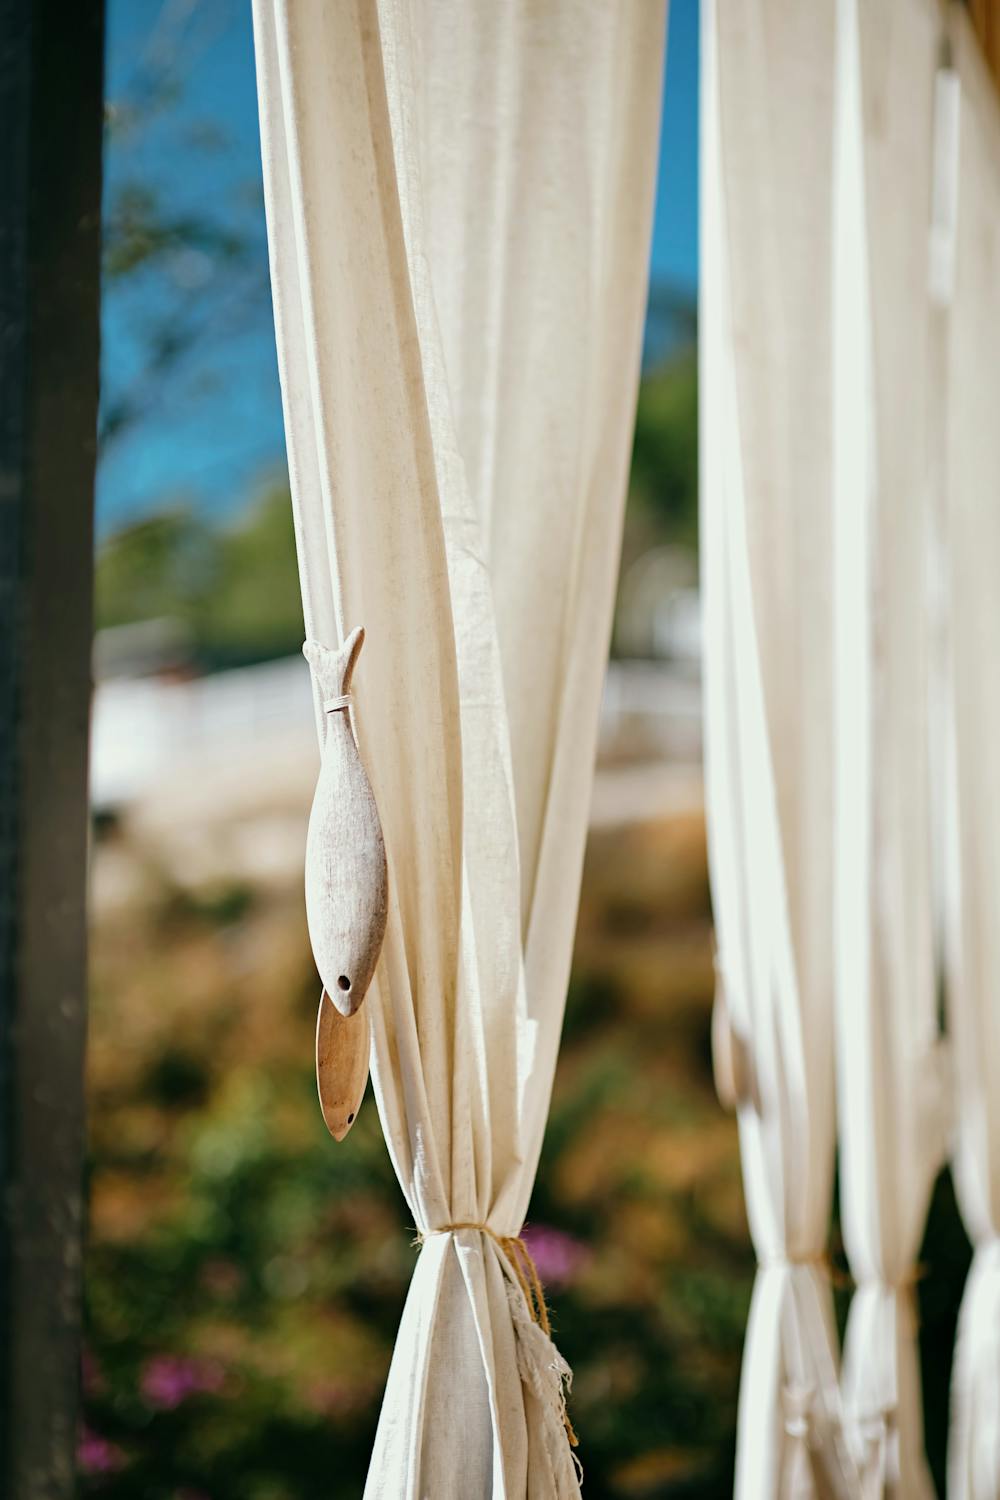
x=459 y=204
x=973 y=932
x=767 y=141
x=891 y=1063
x=851 y=717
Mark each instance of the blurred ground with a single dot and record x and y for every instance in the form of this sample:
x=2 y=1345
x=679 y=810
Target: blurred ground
x=245 y=1275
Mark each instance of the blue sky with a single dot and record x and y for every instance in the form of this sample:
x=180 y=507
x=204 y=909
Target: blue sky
x=674 y=253
x=213 y=431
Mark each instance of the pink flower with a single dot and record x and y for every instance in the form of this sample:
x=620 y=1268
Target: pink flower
x=557 y=1255
x=168 y=1380
x=96 y=1455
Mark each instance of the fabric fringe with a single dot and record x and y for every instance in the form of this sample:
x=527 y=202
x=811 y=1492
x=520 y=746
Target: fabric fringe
x=545 y=1373
x=542 y=1369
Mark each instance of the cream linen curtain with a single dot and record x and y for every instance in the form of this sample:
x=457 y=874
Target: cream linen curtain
x=891 y=1074
x=767 y=141
x=973 y=466
x=459 y=203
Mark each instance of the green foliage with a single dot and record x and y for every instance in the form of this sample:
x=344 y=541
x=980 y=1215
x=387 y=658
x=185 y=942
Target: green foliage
x=245 y=1276
x=163 y=565
x=257 y=604
x=236 y=589
x=665 y=452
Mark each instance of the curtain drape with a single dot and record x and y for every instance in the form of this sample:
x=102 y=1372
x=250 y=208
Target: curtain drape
x=973 y=473
x=767 y=141
x=459 y=202
x=891 y=1064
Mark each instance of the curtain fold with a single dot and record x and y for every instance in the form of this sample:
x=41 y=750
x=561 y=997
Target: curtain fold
x=767 y=142
x=459 y=203
x=892 y=1073
x=973 y=936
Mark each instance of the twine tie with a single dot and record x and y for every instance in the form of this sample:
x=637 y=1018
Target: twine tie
x=522 y=1263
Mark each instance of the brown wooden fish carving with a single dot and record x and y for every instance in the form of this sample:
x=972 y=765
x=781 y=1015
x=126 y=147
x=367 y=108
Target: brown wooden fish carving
x=343 y=1044
x=347 y=881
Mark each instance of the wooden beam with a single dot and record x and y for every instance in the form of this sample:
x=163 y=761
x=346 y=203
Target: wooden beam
x=51 y=77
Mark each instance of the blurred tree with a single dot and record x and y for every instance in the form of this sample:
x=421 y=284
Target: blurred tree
x=184 y=257
x=256 y=608
x=186 y=277
x=665 y=452
x=160 y=566
x=235 y=588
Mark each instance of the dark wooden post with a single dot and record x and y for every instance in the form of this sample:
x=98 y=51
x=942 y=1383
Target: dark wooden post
x=51 y=73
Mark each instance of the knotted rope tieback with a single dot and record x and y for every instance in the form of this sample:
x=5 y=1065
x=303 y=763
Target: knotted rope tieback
x=819 y=1260
x=906 y=1282
x=522 y=1263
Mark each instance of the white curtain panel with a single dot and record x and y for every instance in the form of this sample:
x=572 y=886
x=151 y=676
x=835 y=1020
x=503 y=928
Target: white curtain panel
x=767 y=150
x=459 y=202
x=891 y=1065
x=973 y=465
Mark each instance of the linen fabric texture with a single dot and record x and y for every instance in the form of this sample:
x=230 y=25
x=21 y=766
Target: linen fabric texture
x=459 y=202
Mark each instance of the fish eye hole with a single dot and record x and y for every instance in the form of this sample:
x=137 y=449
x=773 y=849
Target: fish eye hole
x=350 y=1118
x=344 y=983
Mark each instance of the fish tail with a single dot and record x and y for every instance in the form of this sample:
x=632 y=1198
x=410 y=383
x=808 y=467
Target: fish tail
x=334 y=669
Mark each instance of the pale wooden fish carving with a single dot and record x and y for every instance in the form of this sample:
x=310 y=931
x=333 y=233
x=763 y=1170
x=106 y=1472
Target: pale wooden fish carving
x=347 y=880
x=343 y=1044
